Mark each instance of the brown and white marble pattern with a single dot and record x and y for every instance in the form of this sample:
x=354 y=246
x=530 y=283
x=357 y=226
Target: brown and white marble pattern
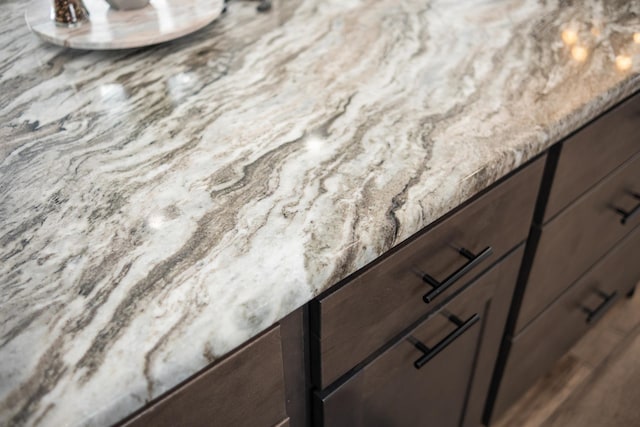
x=159 y=207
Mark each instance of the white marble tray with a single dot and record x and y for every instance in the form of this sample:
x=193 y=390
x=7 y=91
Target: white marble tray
x=159 y=21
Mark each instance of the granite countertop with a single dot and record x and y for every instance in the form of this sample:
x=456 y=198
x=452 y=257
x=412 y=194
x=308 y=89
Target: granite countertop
x=161 y=206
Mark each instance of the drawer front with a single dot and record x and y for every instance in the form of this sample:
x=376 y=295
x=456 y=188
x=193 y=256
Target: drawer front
x=578 y=237
x=245 y=389
x=534 y=351
x=593 y=152
x=392 y=391
x=356 y=319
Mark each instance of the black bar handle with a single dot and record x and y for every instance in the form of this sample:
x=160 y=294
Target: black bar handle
x=602 y=308
x=439 y=288
x=629 y=215
x=433 y=352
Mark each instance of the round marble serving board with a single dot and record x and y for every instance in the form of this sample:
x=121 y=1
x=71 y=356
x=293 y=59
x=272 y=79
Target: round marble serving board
x=159 y=21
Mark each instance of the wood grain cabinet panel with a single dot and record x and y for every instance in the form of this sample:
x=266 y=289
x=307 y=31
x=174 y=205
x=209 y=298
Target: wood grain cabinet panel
x=352 y=321
x=245 y=389
x=391 y=391
x=533 y=352
x=578 y=237
x=593 y=152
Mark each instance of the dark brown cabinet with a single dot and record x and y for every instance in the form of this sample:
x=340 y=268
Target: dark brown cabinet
x=579 y=236
x=534 y=351
x=582 y=254
x=427 y=376
x=244 y=389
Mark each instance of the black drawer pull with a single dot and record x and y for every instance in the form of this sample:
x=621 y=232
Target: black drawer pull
x=628 y=216
x=430 y=353
x=438 y=287
x=594 y=315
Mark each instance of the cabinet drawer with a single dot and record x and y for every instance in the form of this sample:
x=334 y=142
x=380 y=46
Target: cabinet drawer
x=578 y=237
x=246 y=389
x=593 y=152
x=352 y=321
x=392 y=391
x=534 y=351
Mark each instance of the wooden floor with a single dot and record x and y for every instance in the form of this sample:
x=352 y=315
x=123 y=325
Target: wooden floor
x=597 y=384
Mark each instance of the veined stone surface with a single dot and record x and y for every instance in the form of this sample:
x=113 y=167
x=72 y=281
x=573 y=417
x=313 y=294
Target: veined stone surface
x=161 y=206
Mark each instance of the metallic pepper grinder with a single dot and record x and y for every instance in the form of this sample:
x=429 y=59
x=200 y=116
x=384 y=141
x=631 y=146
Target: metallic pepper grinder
x=69 y=13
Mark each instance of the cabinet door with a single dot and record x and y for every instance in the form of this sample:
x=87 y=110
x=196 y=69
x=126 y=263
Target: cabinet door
x=534 y=351
x=425 y=377
x=245 y=389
